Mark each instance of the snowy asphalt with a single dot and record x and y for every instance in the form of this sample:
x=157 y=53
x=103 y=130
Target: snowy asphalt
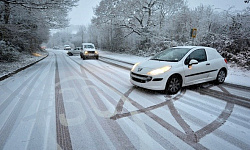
x=64 y=102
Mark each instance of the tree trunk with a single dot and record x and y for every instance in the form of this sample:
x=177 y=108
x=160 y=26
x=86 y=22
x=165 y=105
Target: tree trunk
x=6 y=12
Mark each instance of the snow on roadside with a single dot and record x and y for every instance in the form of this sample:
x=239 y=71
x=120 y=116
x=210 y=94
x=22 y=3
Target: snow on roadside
x=23 y=60
x=236 y=75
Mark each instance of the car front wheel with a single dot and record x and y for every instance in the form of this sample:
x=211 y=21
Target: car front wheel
x=173 y=85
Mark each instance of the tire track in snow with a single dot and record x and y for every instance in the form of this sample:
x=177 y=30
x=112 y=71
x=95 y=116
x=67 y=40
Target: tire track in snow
x=111 y=129
x=166 y=125
x=195 y=137
x=15 y=93
x=111 y=71
x=222 y=118
x=9 y=124
x=43 y=114
x=62 y=130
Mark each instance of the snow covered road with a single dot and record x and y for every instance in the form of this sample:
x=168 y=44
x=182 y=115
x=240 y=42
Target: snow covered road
x=65 y=102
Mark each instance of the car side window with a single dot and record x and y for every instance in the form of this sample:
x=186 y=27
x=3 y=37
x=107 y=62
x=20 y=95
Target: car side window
x=199 y=55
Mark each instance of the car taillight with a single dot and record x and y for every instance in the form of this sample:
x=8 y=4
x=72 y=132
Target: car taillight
x=225 y=60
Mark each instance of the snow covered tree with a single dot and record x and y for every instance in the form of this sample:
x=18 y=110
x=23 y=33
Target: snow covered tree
x=61 y=5
x=26 y=23
x=142 y=19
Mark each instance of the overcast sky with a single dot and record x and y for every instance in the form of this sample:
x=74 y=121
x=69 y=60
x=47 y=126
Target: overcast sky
x=82 y=14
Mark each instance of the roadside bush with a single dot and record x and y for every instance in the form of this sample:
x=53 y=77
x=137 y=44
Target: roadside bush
x=8 y=53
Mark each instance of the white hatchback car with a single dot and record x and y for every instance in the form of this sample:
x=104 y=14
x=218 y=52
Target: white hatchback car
x=180 y=66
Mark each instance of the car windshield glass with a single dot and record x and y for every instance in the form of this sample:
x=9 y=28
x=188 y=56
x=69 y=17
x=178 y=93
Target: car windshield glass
x=172 y=55
x=88 y=46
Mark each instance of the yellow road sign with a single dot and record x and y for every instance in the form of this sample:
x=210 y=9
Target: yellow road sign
x=193 y=32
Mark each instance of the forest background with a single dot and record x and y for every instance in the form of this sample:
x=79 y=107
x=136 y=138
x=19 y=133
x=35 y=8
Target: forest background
x=138 y=27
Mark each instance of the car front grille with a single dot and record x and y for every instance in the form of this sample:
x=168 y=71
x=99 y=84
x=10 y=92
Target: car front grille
x=91 y=52
x=140 y=78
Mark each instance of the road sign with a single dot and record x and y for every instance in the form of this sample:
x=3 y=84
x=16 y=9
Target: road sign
x=193 y=33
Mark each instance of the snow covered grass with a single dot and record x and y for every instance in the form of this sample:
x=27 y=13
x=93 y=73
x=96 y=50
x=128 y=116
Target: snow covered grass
x=238 y=75
x=23 y=60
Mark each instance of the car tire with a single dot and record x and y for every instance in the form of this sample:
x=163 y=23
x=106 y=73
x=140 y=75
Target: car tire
x=221 y=76
x=70 y=54
x=97 y=57
x=173 y=85
x=83 y=57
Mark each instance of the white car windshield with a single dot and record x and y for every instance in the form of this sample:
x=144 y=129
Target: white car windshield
x=89 y=46
x=172 y=55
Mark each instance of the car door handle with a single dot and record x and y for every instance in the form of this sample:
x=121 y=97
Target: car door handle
x=208 y=64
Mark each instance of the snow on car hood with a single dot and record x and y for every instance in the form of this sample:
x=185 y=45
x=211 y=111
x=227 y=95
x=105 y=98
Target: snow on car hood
x=149 y=65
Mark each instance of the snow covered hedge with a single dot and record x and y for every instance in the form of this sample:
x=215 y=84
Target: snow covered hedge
x=8 y=52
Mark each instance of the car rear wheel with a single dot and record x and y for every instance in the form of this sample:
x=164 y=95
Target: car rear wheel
x=221 y=76
x=173 y=85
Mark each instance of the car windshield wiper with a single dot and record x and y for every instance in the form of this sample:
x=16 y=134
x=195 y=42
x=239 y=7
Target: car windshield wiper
x=154 y=59
x=172 y=60
x=165 y=60
x=158 y=59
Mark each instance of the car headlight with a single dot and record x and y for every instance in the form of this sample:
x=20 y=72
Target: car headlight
x=86 y=52
x=159 y=71
x=96 y=52
x=133 y=68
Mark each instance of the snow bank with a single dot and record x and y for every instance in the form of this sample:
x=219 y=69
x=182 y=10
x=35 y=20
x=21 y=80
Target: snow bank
x=24 y=59
x=237 y=75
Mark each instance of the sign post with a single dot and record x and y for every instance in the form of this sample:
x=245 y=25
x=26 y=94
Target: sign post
x=193 y=34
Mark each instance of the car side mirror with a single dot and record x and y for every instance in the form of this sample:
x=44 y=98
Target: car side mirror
x=192 y=62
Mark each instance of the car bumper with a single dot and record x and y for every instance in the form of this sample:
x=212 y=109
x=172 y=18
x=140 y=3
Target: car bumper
x=90 y=55
x=149 y=82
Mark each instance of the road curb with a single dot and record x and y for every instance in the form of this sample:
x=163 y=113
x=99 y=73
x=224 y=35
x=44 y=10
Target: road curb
x=22 y=68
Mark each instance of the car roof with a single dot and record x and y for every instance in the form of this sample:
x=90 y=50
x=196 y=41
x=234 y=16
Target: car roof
x=191 y=47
